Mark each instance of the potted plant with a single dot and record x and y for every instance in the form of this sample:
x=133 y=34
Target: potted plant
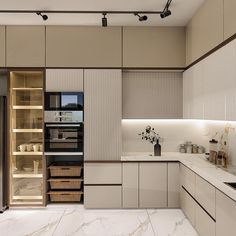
x=151 y=136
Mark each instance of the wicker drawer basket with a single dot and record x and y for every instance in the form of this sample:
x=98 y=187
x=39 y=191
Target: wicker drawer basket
x=65 y=183
x=65 y=171
x=65 y=196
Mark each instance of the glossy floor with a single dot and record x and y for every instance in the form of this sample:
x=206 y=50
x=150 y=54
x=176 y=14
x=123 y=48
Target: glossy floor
x=70 y=220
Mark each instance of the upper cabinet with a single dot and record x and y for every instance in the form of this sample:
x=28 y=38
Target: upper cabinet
x=25 y=46
x=152 y=95
x=77 y=46
x=229 y=18
x=2 y=46
x=205 y=30
x=64 y=80
x=153 y=47
x=209 y=87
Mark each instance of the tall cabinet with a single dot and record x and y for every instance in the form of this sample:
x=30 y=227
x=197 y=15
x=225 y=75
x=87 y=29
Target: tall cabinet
x=26 y=138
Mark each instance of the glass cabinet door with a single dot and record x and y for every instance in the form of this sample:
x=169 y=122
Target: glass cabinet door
x=26 y=138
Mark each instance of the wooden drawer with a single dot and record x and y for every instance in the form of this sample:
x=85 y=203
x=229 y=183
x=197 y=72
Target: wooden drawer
x=65 y=196
x=65 y=183
x=65 y=171
x=187 y=179
x=204 y=224
x=102 y=196
x=206 y=195
x=102 y=173
x=188 y=206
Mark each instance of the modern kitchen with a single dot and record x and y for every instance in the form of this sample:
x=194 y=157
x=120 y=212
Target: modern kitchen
x=118 y=118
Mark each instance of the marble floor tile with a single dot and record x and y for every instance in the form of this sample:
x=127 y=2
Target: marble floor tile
x=168 y=222
x=29 y=222
x=105 y=223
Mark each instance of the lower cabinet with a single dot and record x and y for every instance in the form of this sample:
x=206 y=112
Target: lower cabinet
x=102 y=196
x=152 y=185
x=204 y=224
x=225 y=215
x=130 y=185
x=187 y=204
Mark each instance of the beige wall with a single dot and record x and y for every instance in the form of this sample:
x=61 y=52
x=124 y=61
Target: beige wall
x=2 y=46
x=153 y=46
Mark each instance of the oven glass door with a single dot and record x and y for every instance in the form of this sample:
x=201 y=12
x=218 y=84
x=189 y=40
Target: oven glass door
x=64 y=101
x=64 y=137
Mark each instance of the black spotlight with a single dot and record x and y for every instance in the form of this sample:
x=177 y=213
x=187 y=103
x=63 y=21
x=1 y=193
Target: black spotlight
x=141 y=18
x=165 y=14
x=104 y=20
x=45 y=17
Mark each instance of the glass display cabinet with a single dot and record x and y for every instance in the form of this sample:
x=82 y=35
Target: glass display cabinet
x=26 y=180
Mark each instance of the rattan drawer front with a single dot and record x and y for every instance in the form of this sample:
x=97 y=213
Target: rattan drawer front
x=65 y=196
x=65 y=183
x=65 y=171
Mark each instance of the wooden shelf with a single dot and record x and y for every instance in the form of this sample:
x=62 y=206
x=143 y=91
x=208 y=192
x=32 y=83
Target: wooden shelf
x=27 y=197
x=23 y=174
x=27 y=130
x=26 y=89
x=27 y=153
x=27 y=107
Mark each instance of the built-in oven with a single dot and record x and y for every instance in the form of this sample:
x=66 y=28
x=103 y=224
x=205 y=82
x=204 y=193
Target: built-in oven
x=64 y=101
x=64 y=137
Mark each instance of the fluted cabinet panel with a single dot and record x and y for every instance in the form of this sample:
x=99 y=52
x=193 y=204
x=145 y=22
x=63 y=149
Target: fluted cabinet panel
x=64 y=80
x=2 y=46
x=102 y=114
x=152 y=95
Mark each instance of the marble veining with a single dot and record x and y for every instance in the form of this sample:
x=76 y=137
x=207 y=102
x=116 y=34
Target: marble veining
x=74 y=220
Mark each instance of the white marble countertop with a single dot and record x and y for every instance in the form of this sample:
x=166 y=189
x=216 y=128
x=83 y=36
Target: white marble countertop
x=197 y=163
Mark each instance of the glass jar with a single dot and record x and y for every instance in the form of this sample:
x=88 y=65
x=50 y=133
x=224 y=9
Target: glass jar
x=182 y=148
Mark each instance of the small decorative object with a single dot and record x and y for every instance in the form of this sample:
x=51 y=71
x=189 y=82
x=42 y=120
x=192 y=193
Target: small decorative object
x=150 y=135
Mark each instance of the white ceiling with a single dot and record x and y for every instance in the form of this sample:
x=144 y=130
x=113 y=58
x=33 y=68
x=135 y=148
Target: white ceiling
x=182 y=11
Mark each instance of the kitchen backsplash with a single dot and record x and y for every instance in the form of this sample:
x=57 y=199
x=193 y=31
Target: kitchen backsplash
x=176 y=132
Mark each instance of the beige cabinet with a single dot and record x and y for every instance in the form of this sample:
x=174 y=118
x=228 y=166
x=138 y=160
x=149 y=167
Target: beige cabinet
x=2 y=46
x=204 y=224
x=102 y=196
x=229 y=18
x=141 y=87
x=83 y=46
x=25 y=46
x=173 y=185
x=102 y=173
x=206 y=195
x=153 y=46
x=187 y=178
x=130 y=185
x=205 y=30
x=188 y=206
x=64 y=80
x=102 y=114
x=153 y=185
x=225 y=215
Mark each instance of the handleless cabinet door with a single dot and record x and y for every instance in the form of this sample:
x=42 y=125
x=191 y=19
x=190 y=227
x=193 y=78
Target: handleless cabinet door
x=188 y=205
x=173 y=185
x=187 y=179
x=102 y=114
x=130 y=185
x=225 y=215
x=204 y=224
x=206 y=195
x=64 y=80
x=25 y=46
x=83 y=46
x=152 y=185
x=2 y=46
